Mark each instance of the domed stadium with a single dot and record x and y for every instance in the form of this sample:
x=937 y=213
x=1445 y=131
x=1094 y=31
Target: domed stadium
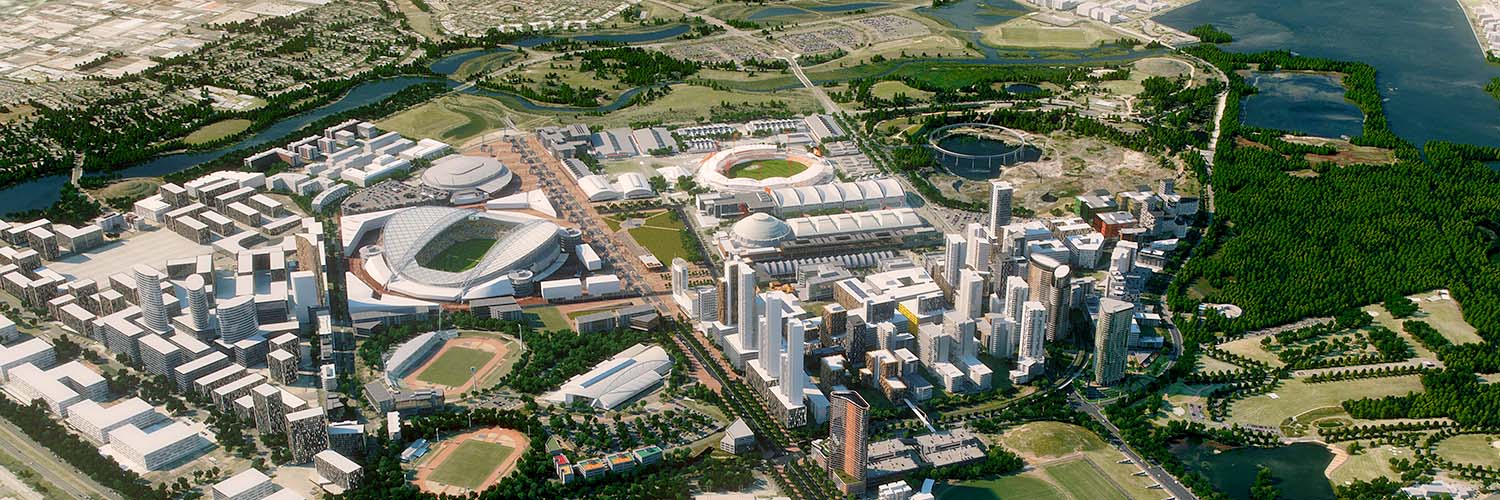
x=760 y=230
x=459 y=173
x=453 y=253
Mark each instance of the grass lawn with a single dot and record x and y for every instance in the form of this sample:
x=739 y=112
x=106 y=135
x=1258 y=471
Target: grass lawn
x=1250 y=347
x=1296 y=396
x=452 y=367
x=612 y=222
x=460 y=256
x=889 y=89
x=1051 y=439
x=692 y=104
x=1207 y=364
x=664 y=220
x=1008 y=487
x=547 y=318
x=665 y=244
x=1082 y=480
x=483 y=65
x=1369 y=464
x=137 y=187
x=1477 y=449
x=1023 y=32
x=217 y=130
x=586 y=312
x=456 y=118
x=470 y=464
x=765 y=169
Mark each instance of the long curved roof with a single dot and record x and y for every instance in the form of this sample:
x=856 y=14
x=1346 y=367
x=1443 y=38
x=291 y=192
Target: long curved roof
x=621 y=377
x=843 y=193
x=519 y=242
x=829 y=225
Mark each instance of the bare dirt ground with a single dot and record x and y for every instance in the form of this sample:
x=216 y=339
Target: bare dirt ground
x=512 y=438
x=1071 y=166
x=488 y=344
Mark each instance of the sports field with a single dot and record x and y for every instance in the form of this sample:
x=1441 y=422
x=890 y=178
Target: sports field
x=460 y=256
x=1475 y=449
x=217 y=130
x=471 y=463
x=764 y=169
x=451 y=368
x=1083 y=480
x=1007 y=487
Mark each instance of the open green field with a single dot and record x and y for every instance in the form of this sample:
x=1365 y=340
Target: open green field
x=455 y=118
x=1295 y=396
x=692 y=104
x=1008 y=487
x=1369 y=464
x=217 y=130
x=889 y=89
x=452 y=367
x=1166 y=67
x=665 y=244
x=1082 y=480
x=460 y=256
x=765 y=169
x=1029 y=33
x=135 y=187
x=483 y=65
x=470 y=464
x=1476 y=449
x=1443 y=314
x=1250 y=347
x=664 y=220
x=1051 y=439
x=547 y=318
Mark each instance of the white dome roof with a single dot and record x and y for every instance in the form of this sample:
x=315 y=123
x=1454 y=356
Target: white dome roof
x=761 y=229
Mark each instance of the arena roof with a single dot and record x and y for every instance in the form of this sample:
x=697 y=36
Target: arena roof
x=761 y=229
x=620 y=378
x=521 y=243
x=598 y=188
x=459 y=172
x=633 y=185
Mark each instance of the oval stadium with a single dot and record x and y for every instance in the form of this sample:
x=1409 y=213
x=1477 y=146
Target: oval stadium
x=759 y=167
x=453 y=254
x=467 y=177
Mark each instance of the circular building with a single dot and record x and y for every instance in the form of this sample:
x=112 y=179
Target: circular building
x=467 y=177
x=452 y=254
x=759 y=167
x=760 y=230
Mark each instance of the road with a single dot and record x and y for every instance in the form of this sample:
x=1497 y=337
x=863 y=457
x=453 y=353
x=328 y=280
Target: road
x=1167 y=482
x=50 y=466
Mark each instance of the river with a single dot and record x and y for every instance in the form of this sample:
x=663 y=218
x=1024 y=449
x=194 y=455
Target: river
x=41 y=193
x=1430 y=67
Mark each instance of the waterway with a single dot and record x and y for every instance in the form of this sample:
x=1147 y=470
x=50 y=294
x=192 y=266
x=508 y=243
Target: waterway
x=1297 y=468
x=1431 y=70
x=773 y=12
x=41 y=193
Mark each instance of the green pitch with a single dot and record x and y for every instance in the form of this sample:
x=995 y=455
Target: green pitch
x=1082 y=480
x=765 y=169
x=470 y=464
x=460 y=256
x=452 y=367
x=1006 y=487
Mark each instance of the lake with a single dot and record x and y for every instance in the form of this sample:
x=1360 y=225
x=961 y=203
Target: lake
x=1430 y=67
x=1298 y=468
x=1308 y=103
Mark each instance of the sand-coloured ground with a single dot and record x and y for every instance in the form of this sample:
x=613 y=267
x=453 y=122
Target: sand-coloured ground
x=468 y=467
x=498 y=347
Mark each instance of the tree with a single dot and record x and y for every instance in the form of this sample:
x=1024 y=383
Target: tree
x=1263 y=488
x=1400 y=306
x=658 y=183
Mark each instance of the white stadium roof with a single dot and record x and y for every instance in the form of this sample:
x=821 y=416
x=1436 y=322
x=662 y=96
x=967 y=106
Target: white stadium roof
x=598 y=188
x=884 y=192
x=459 y=172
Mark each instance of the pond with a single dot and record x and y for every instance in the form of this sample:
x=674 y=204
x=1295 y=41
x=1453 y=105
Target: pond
x=1308 y=103
x=1298 y=468
x=1022 y=88
x=981 y=168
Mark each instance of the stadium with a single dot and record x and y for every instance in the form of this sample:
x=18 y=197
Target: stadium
x=759 y=167
x=467 y=178
x=454 y=254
